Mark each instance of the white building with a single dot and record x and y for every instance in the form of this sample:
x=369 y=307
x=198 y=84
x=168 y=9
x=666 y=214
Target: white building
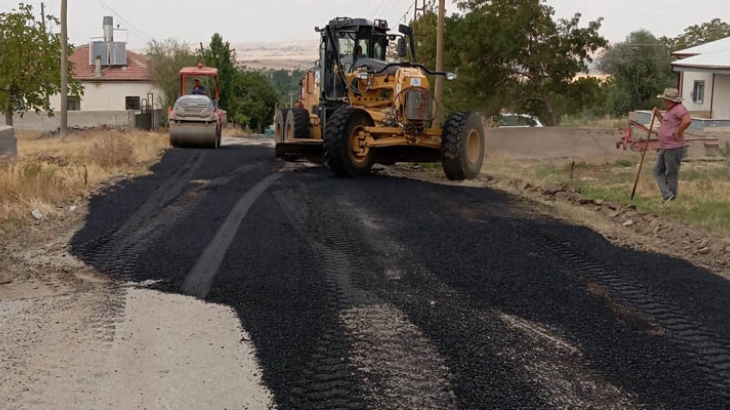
x=704 y=79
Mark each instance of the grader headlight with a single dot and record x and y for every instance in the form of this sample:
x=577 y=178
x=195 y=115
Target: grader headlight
x=418 y=104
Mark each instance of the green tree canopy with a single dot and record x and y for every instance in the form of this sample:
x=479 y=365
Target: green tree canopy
x=30 y=67
x=697 y=34
x=641 y=69
x=220 y=56
x=166 y=58
x=510 y=53
x=254 y=98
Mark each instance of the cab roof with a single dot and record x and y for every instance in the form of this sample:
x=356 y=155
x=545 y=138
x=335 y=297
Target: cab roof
x=200 y=71
x=347 y=22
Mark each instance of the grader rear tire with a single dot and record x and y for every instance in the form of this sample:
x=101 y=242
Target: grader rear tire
x=279 y=124
x=297 y=124
x=340 y=138
x=462 y=145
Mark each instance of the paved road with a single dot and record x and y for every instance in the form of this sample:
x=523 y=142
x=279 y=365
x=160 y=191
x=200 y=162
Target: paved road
x=391 y=293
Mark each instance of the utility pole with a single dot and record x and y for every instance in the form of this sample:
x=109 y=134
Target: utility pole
x=64 y=70
x=422 y=9
x=439 y=60
x=43 y=16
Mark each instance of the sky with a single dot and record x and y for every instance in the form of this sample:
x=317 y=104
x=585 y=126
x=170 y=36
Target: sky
x=287 y=20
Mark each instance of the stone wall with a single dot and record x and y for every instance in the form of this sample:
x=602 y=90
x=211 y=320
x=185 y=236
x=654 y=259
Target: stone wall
x=571 y=143
x=78 y=119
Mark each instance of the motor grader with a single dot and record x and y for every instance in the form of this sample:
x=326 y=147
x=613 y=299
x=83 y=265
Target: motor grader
x=359 y=109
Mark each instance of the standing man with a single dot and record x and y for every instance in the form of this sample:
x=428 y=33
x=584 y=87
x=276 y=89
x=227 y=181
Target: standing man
x=673 y=147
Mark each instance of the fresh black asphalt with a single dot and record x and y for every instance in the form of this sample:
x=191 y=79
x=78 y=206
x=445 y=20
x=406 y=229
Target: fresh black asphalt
x=525 y=311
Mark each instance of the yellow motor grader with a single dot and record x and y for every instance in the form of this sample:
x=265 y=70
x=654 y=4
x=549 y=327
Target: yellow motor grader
x=359 y=109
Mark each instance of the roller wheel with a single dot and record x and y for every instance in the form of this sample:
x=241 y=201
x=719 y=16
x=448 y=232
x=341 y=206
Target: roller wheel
x=462 y=145
x=343 y=137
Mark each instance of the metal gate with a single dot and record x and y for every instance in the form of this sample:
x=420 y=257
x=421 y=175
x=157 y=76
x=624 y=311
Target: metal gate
x=145 y=120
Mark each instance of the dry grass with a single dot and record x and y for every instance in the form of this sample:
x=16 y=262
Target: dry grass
x=49 y=172
x=704 y=188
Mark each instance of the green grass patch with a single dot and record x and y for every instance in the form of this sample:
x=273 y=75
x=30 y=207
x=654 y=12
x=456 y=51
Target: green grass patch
x=704 y=188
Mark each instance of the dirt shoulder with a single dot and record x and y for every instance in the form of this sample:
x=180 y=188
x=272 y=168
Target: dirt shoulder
x=74 y=338
x=621 y=224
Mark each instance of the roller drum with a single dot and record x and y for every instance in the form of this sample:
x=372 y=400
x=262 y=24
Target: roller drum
x=194 y=136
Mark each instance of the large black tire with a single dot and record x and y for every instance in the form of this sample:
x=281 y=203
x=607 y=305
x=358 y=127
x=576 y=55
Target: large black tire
x=297 y=124
x=279 y=125
x=462 y=145
x=337 y=138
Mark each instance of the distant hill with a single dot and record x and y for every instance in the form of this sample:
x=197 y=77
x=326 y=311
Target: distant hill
x=287 y=55
x=298 y=54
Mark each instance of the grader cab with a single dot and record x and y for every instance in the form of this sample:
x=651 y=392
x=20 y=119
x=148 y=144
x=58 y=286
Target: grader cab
x=359 y=109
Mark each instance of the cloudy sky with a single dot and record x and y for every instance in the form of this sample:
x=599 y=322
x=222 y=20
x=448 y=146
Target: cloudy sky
x=283 y=20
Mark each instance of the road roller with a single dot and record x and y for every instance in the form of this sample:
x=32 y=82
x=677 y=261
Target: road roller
x=196 y=121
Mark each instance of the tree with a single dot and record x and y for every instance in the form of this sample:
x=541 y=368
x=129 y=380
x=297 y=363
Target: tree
x=641 y=69
x=468 y=52
x=510 y=53
x=166 y=58
x=695 y=35
x=542 y=53
x=220 y=56
x=253 y=100
x=30 y=67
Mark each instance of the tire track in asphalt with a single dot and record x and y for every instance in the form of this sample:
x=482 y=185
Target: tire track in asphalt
x=114 y=251
x=710 y=351
x=397 y=366
x=168 y=190
x=200 y=278
x=538 y=352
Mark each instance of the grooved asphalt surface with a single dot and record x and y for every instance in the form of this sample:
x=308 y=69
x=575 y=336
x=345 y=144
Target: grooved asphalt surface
x=391 y=293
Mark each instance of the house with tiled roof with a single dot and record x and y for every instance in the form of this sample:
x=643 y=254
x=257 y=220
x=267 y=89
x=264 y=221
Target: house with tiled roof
x=704 y=79
x=113 y=78
x=118 y=88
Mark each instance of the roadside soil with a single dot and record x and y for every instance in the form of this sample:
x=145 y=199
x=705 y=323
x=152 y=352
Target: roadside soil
x=621 y=225
x=73 y=338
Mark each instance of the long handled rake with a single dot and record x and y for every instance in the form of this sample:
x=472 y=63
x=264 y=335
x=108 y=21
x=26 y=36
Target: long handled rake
x=643 y=155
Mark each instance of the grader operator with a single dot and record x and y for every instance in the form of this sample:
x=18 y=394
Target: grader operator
x=375 y=111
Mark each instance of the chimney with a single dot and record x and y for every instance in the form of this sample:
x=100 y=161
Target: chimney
x=97 y=69
x=108 y=29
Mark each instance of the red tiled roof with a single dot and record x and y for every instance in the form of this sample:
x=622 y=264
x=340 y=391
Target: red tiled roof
x=135 y=70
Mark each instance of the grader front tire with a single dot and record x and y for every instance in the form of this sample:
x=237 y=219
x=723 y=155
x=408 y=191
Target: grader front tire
x=462 y=146
x=340 y=137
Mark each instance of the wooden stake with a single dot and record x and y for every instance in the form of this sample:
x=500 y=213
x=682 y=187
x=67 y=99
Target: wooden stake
x=643 y=155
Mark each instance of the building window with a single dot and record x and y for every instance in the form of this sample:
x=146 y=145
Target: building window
x=698 y=92
x=132 y=103
x=73 y=103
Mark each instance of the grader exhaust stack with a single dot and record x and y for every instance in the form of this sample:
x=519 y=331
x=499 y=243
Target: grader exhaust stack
x=196 y=121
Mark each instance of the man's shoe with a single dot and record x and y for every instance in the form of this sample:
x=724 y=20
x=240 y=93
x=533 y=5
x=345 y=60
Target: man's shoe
x=670 y=199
